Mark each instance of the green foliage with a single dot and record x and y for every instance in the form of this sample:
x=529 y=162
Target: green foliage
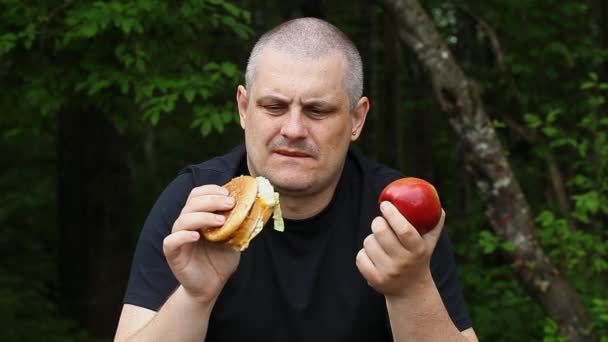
x=152 y=58
x=551 y=330
x=578 y=243
x=139 y=62
x=489 y=242
x=499 y=307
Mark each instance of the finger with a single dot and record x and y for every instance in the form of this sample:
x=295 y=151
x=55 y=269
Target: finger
x=375 y=253
x=432 y=236
x=209 y=203
x=209 y=189
x=366 y=267
x=196 y=221
x=387 y=239
x=173 y=243
x=405 y=232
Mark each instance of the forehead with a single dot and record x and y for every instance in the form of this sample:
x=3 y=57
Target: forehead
x=294 y=76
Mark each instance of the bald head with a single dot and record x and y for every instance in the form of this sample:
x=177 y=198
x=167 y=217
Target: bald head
x=311 y=38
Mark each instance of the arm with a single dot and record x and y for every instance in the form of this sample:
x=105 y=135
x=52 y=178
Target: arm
x=395 y=260
x=201 y=268
x=181 y=318
x=421 y=316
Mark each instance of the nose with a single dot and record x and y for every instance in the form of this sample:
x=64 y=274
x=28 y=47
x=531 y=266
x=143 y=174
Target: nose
x=294 y=126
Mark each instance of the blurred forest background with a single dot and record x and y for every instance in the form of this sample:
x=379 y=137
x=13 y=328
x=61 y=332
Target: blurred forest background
x=103 y=102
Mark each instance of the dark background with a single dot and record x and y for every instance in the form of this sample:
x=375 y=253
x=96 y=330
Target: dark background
x=103 y=102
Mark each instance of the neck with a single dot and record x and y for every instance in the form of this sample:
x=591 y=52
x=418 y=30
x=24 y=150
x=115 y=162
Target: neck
x=298 y=207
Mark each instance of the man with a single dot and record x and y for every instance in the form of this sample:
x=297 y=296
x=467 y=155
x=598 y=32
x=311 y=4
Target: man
x=343 y=270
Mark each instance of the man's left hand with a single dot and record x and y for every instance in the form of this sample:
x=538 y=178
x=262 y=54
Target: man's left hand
x=395 y=258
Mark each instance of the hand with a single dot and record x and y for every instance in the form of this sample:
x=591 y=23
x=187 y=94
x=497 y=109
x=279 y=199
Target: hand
x=201 y=267
x=395 y=259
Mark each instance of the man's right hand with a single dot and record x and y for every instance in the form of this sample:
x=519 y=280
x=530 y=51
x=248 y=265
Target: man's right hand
x=200 y=266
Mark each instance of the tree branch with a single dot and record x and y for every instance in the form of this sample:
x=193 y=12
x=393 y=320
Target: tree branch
x=557 y=179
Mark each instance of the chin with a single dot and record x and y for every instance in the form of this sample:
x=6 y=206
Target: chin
x=291 y=183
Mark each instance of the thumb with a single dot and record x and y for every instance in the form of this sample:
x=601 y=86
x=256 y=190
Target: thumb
x=179 y=243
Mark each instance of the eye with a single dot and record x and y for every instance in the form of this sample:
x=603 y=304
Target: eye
x=318 y=113
x=273 y=109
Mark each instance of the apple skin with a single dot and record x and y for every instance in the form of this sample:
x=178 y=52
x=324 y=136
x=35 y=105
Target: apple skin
x=417 y=200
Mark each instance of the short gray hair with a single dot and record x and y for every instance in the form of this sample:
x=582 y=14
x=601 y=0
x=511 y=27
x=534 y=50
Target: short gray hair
x=312 y=38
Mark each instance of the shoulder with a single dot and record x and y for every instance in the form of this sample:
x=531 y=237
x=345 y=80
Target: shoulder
x=218 y=170
x=372 y=173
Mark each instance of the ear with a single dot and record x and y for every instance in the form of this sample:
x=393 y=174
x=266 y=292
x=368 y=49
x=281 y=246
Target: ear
x=358 y=117
x=241 y=101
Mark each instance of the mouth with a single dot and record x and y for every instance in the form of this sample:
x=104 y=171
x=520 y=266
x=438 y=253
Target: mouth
x=292 y=153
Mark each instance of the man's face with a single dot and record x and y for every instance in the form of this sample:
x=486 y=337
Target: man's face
x=297 y=121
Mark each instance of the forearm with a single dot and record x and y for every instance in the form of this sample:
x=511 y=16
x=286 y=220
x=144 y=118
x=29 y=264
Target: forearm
x=181 y=318
x=420 y=315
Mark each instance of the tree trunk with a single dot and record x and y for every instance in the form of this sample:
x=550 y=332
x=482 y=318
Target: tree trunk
x=93 y=215
x=504 y=200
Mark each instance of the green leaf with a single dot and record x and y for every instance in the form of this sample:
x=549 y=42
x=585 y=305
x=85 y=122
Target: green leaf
x=507 y=246
x=206 y=128
x=125 y=25
x=124 y=86
x=553 y=114
x=232 y=9
x=189 y=94
x=581 y=181
x=211 y=67
x=532 y=120
x=588 y=202
x=169 y=103
x=487 y=241
x=7 y=43
x=229 y=21
x=550 y=131
x=498 y=124
x=148 y=90
x=11 y=132
x=98 y=86
x=564 y=141
x=583 y=147
x=217 y=123
x=229 y=69
x=247 y=16
x=140 y=65
x=545 y=218
x=227 y=117
x=204 y=93
x=88 y=31
x=153 y=114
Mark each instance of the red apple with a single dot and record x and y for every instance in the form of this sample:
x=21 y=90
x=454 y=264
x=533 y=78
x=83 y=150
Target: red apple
x=416 y=199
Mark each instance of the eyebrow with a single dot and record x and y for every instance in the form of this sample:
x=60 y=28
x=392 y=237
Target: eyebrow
x=319 y=103
x=307 y=103
x=272 y=98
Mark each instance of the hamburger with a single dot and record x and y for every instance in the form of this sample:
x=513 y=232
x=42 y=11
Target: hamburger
x=256 y=201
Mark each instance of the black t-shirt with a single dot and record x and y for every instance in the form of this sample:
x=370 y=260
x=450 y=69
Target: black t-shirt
x=298 y=285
